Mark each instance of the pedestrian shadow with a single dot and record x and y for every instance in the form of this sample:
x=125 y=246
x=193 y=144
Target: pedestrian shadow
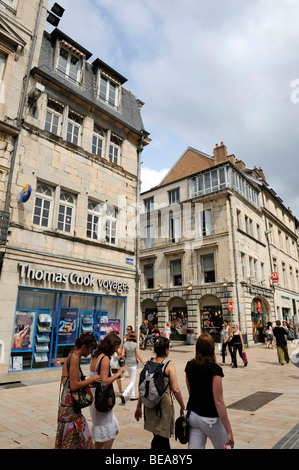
x=269 y=363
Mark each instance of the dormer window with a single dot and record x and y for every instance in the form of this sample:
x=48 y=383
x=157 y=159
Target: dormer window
x=108 y=90
x=108 y=83
x=69 y=64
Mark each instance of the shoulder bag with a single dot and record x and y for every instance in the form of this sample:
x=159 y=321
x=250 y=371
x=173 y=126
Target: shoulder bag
x=82 y=397
x=104 y=399
x=182 y=428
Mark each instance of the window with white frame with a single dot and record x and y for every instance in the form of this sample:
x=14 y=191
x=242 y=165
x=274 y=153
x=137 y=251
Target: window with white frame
x=174 y=196
x=94 y=220
x=114 y=150
x=243 y=264
x=2 y=65
x=43 y=205
x=69 y=64
x=209 y=181
x=205 y=223
x=54 y=116
x=111 y=224
x=208 y=268
x=148 y=204
x=149 y=235
x=174 y=227
x=98 y=140
x=108 y=90
x=66 y=212
x=148 y=270
x=176 y=272
x=74 y=127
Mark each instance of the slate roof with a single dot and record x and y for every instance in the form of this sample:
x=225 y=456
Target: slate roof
x=129 y=112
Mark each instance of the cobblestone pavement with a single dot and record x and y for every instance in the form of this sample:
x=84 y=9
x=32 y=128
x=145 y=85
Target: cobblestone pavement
x=28 y=411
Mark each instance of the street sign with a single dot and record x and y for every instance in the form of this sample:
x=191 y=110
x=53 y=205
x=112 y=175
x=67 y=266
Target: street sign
x=258 y=306
x=230 y=306
x=274 y=277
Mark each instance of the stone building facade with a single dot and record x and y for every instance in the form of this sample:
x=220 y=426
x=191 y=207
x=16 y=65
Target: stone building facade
x=206 y=253
x=70 y=161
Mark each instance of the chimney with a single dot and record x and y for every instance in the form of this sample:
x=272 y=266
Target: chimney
x=240 y=164
x=220 y=154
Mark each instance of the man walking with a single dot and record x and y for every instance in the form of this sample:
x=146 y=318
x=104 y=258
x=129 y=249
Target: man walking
x=281 y=343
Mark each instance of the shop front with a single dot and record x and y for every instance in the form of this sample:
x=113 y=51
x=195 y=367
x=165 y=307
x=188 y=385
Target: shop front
x=178 y=318
x=211 y=317
x=48 y=321
x=150 y=311
x=259 y=318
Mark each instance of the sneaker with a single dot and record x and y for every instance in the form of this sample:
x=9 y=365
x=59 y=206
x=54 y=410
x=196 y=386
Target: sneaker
x=246 y=363
x=132 y=399
x=123 y=400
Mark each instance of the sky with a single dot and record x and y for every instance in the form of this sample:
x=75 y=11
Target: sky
x=208 y=72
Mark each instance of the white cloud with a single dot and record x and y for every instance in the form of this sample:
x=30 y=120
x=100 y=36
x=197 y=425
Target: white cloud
x=151 y=178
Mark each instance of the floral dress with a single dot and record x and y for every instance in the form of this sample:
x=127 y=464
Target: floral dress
x=72 y=428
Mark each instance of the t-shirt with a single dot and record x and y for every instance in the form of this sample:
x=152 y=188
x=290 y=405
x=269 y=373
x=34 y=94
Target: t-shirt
x=130 y=347
x=280 y=334
x=200 y=379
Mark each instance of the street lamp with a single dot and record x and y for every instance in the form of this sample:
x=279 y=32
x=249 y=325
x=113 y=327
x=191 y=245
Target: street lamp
x=54 y=17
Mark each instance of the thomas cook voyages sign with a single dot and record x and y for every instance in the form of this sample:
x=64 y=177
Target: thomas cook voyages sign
x=74 y=278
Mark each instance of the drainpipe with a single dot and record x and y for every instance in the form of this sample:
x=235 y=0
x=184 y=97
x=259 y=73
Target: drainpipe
x=235 y=262
x=138 y=271
x=20 y=117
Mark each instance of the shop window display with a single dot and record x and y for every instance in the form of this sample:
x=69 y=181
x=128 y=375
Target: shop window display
x=47 y=324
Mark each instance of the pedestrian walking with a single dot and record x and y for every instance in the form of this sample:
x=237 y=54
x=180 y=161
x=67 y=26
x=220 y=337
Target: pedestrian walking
x=208 y=415
x=72 y=429
x=132 y=356
x=281 y=343
x=160 y=420
x=166 y=330
x=142 y=332
x=114 y=364
x=226 y=338
x=269 y=343
x=238 y=345
x=104 y=424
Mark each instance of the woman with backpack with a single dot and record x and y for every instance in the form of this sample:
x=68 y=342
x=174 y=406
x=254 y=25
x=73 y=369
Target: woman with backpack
x=160 y=419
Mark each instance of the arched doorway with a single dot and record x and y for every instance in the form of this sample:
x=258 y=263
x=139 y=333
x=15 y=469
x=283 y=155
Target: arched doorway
x=211 y=316
x=178 y=318
x=259 y=318
x=149 y=311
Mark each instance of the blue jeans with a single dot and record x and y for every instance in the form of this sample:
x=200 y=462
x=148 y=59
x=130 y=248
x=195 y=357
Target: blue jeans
x=149 y=337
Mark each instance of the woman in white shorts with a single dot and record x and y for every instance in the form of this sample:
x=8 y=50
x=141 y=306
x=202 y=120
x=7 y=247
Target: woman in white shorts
x=104 y=425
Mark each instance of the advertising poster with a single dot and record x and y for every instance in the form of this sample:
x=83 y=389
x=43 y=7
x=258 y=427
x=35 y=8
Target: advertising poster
x=23 y=330
x=67 y=330
x=113 y=325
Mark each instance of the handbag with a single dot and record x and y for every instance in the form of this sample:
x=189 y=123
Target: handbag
x=182 y=429
x=104 y=399
x=244 y=357
x=290 y=336
x=82 y=397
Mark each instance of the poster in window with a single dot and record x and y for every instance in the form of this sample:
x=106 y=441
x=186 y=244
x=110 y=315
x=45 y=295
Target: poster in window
x=67 y=331
x=113 y=325
x=23 y=330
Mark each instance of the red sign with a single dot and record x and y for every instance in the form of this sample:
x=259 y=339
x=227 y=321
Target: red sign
x=230 y=306
x=258 y=306
x=274 y=277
